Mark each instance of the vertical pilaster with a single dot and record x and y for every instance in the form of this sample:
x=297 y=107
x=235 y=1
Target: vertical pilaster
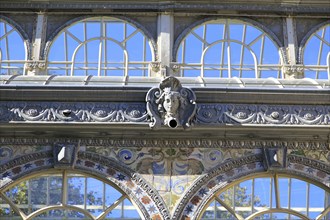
x=36 y=66
x=165 y=42
x=291 y=40
x=291 y=69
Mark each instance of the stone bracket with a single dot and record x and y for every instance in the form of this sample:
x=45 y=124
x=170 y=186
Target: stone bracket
x=64 y=154
x=275 y=158
x=293 y=71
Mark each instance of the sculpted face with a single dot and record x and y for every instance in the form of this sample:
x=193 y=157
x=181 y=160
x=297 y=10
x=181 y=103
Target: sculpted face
x=171 y=102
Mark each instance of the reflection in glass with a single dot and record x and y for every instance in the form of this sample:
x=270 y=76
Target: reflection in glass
x=86 y=193
x=258 y=195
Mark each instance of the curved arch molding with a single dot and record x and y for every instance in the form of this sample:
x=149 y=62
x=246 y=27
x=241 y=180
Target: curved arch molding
x=142 y=193
x=197 y=196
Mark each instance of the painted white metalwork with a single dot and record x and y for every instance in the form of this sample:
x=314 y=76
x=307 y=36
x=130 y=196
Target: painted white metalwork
x=241 y=50
x=100 y=46
x=74 y=194
x=265 y=197
x=317 y=54
x=13 y=50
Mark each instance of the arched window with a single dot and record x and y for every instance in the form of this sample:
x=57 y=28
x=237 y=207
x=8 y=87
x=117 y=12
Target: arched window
x=229 y=48
x=317 y=54
x=13 y=52
x=65 y=196
x=275 y=197
x=101 y=47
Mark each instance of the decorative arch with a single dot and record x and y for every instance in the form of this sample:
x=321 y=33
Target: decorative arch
x=199 y=195
x=266 y=34
x=305 y=39
x=317 y=64
x=202 y=21
x=146 y=198
x=134 y=66
x=5 y=58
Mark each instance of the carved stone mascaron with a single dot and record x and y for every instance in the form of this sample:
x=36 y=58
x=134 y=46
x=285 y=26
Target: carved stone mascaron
x=171 y=104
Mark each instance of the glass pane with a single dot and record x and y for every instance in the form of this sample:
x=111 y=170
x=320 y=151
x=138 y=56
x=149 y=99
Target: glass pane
x=94 y=196
x=11 y=49
x=61 y=215
x=243 y=193
x=19 y=196
x=216 y=211
x=111 y=195
x=105 y=41
x=284 y=192
x=131 y=212
x=209 y=212
x=228 y=197
x=6 y=213
x=280 y=216
x=117 y=212
x=76 y=190
x=298 y=195
x=243 y=198
x=262 y=189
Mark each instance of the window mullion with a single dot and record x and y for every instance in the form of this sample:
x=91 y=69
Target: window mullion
x=66 y=52
x=6 y=33
x=242 y=50
x=85 y=48
x=252 y=198
x=105 y=48
x=100 y=57
x=64 y=188
x=307 y=198
x=289 y=196
x=183 y=55
x=114 y=205
x=277 y=192
x=7 y=48
x=29 y=206
x=320 y=54
x=144 y=55
x=261 y=55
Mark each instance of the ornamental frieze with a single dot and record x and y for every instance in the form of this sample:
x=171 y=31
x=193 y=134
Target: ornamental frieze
x=206 y=114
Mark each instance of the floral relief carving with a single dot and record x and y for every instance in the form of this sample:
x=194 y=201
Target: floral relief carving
x=262 y=114
x=78 y=112
x=164 y=105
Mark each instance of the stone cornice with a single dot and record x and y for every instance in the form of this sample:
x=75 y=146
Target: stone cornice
x=137 y=94
x=257 y=5
x=170 y=143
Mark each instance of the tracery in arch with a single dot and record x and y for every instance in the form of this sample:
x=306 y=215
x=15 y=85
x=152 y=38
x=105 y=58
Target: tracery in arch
x=100 y=46
x=13 y=52
x=229 y=48
x=96 y=169
x=316 y=54
x=66 y=195
x=269 y=197
x=198 y=197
